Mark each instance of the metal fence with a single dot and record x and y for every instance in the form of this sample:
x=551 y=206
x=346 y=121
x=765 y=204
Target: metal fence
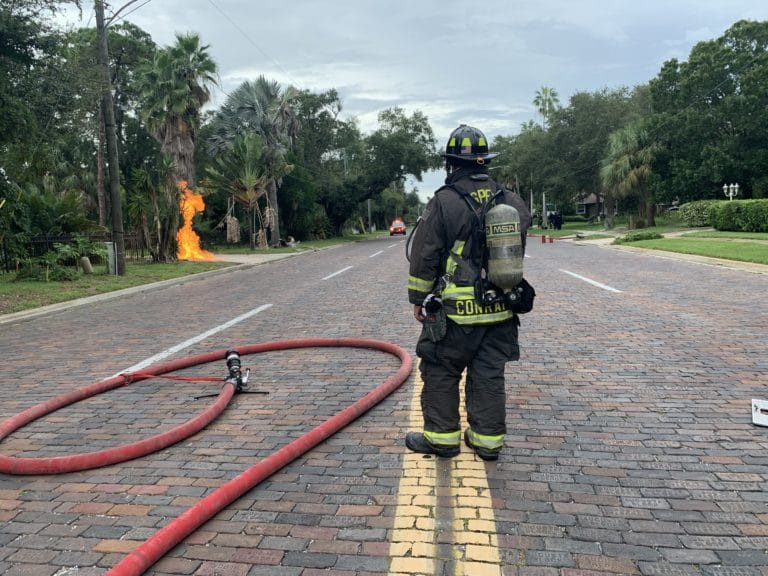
x=43 y=243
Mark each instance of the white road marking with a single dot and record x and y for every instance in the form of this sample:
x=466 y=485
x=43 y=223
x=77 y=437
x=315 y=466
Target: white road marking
x=165 y=353
x=603 y=286
x=337 y=273
x=376 y=253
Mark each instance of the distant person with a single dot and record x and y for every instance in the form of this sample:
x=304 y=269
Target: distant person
x=462 y=327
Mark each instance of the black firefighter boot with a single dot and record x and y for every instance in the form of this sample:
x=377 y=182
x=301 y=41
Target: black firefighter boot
x=416 y=442
x=484 y=453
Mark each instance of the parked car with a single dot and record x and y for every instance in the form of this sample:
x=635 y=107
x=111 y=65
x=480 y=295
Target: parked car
x=397 y=227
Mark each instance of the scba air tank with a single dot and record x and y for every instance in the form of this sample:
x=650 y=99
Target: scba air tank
x=505 y=247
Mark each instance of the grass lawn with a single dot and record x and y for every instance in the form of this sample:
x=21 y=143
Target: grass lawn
x=18 y=295
x=739 y=246
x=729 y=235
x=726 y=247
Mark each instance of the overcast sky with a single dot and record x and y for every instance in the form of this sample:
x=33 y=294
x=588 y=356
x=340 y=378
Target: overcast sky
x=479 y=63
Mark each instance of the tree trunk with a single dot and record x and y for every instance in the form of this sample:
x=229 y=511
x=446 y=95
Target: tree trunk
x=170 y=225
x=146 y=242
x=610 y=208
x=154 y=247
x=177 y=143
x=252 y=232
x=108 y=110
x=101 y=197
x=274 y=239
x=650 y=212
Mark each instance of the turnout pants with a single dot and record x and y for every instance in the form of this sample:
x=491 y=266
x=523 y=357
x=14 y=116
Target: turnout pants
x=483 y=351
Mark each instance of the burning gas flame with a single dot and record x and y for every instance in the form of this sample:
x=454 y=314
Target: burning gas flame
x=188 y=240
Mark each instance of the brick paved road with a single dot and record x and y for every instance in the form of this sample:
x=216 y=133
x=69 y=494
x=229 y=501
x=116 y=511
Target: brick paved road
x=631 y=448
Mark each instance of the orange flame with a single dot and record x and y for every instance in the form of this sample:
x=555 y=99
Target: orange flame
x=188 y=240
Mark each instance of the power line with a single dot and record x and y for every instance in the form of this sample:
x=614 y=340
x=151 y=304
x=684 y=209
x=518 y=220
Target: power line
x=252 y=43
x=123 y=7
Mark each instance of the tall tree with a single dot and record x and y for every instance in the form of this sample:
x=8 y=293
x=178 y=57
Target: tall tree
x=43 y=130
x=563 y=161
x=713 y=115
x=174 y=87
x=547 y=100
x=528 y=163
x=262 y=107
x=402 y=146
x=627 y=168
x=36 y=91
x=580 y=134
x=323 y=153
x=241 y=173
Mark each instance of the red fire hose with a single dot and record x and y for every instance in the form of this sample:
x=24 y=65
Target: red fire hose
x=146 y=554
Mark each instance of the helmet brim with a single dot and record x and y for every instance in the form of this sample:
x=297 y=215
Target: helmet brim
x=472 y=158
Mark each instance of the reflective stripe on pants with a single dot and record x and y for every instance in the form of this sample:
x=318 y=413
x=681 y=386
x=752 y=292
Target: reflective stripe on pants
x=483 y=351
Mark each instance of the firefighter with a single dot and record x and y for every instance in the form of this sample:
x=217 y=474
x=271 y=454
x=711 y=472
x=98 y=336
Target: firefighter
x=466 y=321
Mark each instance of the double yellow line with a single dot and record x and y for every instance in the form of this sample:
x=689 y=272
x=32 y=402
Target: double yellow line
x=444 y=515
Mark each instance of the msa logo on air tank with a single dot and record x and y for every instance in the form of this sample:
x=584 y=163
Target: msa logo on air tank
x=505 y=228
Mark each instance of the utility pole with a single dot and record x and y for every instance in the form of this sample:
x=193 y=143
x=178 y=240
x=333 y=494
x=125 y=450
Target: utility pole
x=109 y=124
x=532 y=209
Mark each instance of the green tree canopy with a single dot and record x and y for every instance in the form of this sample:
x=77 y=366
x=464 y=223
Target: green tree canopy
x=713 y=115
x=264 y=108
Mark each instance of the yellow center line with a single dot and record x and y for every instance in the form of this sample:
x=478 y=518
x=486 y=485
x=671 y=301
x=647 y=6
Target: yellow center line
x=413 y=549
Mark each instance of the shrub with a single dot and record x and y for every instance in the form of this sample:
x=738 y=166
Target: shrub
x=637 y=236
x=669 y=218
x=44 y=270
x=85 y=247
x=60 y=264
x=698 y=213
x=741 y=216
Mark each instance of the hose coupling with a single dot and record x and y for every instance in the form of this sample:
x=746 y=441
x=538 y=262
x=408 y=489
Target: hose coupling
x=236 y=375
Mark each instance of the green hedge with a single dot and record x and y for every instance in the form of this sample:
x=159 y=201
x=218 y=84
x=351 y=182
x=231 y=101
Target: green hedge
x=741 y=216
x=698 y=213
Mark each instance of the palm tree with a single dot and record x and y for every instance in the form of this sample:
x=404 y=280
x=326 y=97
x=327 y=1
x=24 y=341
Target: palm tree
x=627 y=168
x=264 y=108
x=529 y=126
x=546 y=101
x=241 y=171
x=174 y=87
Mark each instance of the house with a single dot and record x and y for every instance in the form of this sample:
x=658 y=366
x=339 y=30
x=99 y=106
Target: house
x=590 y=206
